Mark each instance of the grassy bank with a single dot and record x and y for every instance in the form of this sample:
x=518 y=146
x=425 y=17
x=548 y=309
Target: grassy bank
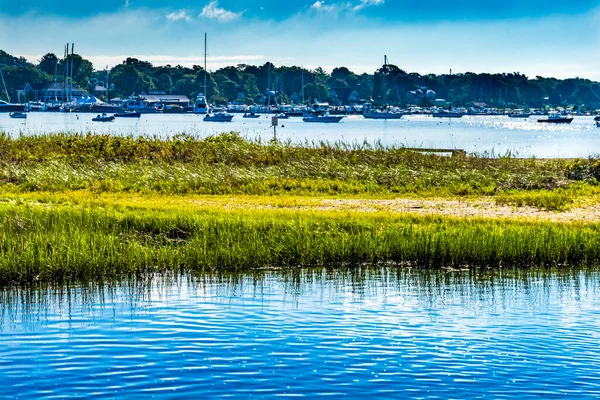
x=73 y=242
x=96 y=206
x=228 y=164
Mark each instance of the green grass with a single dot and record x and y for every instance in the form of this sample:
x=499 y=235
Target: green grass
x=557 y=200
x=97 y=206
x=229 y=164
x=56 y=243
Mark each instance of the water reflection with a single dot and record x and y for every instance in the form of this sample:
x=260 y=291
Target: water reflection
x=377 y=330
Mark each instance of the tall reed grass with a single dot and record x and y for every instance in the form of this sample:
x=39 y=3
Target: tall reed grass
x=230 y=164
x=64 y=243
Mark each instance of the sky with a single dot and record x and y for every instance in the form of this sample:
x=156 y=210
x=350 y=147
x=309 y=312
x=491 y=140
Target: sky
x=534 y=37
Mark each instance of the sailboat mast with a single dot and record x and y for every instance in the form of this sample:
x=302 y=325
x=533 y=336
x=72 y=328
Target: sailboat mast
x=302 y=86
x=107 y=84
x=205 y=42
x=72 y=62
x=269 y=85
x=65 y=91
x=4 y=83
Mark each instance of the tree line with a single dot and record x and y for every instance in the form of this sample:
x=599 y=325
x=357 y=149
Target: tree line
x=252 y=84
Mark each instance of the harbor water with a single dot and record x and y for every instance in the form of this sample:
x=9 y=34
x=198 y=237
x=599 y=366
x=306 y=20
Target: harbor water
x=496 y=135
x=375 y=332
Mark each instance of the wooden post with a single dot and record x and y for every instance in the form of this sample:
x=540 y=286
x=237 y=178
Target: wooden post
x=274 y=124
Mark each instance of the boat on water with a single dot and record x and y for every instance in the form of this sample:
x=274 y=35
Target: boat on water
x=9 y=107
x=128 y=114
x=218 y=117
x=103 y=118
x=556 y=119
x=325 y=118
x=18 y=115
x=519 y=115
x=447 y=114
x=382 y=115
x=251 y=115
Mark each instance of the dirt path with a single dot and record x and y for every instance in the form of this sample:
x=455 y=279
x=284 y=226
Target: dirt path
x=464 y=208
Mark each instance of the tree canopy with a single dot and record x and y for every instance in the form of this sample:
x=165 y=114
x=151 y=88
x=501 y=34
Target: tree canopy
x=255 y=84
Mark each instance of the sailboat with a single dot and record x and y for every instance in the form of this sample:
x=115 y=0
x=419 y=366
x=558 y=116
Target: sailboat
x=201 y=105
x=8 y=107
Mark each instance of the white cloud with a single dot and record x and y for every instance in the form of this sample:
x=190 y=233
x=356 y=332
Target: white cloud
x=367 y=3
x=348 y=7
x=213 y=11
x=179 y=15
x=321 y=6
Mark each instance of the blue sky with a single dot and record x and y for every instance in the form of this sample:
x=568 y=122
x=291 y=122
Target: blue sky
x=535 y=37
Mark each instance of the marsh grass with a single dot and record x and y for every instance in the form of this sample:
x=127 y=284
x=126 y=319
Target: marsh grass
x=230 y=164
x=557 y=200
x=72 y=242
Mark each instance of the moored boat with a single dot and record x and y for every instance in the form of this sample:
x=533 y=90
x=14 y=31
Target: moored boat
x=325 y=118
x=556 y=119
x=519 y=115
x=128 y=114
x=218 y=117
x=18 y=115
x=103 y=118
x=447 y=114
x=8 y=107
x=251 y=115
x=382 y=115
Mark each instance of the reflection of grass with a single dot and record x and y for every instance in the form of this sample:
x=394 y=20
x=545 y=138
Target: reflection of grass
x=544 y=200
x=52 y=241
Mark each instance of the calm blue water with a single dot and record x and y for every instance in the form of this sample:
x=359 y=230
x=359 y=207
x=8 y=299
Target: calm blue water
x=378 y=332
x=525 y=138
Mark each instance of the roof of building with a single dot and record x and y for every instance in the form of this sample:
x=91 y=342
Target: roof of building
x=168 y=98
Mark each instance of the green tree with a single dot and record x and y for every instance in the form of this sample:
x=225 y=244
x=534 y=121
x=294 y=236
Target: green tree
x=48 y=63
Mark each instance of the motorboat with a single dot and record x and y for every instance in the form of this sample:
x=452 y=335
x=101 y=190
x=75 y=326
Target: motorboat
x=218 y=117
x=382 y=115
x=201 y=105
x=128 y=114
x=519 y=115
x=447 y=114
x=103 y=118
x=325 y=118
x=251 y=115
x=18 y=115
x=8 y=107
x=556 y=119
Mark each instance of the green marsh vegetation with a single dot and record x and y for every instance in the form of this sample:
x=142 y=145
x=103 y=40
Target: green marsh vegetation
x=228 y=164
x=97 y=206
x=74 y=242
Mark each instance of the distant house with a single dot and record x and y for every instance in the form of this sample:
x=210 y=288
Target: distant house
x=417 y=96
x=56 y=91
x=99 y=89
x=354 y=97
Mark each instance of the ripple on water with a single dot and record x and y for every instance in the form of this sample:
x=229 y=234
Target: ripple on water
x=378 y=332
